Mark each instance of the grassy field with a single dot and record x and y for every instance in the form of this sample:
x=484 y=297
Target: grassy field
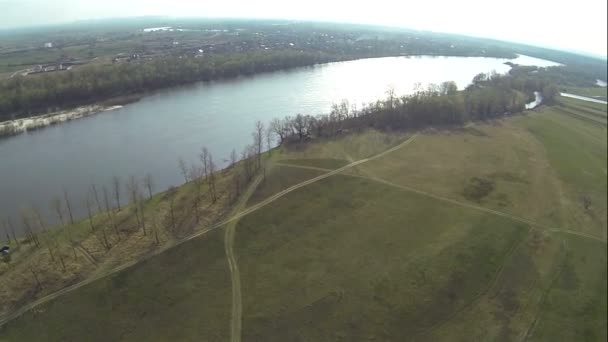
x=85 y=253
x=463 y=234
x=179 y=295
x=363 y=260
x=529 y=167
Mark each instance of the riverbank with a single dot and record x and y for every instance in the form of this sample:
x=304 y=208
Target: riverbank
x=18 y=126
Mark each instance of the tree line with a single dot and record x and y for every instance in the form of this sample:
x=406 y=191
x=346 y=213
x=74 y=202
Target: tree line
x=488 y=96
x=26 y=96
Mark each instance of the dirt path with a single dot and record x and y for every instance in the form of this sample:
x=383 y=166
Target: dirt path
x=237 y=303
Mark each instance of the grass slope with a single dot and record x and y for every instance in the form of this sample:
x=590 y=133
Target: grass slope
x=349 y=258
x=181 y=295
x=574 y=306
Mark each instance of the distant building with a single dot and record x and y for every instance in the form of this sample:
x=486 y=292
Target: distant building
x=48 y=45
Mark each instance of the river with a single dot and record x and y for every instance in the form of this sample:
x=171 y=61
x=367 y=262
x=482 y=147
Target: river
x=584 y=98
x=150 y=135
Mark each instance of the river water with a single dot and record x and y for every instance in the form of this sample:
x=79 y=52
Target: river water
x=150 y=135
x=583 y=98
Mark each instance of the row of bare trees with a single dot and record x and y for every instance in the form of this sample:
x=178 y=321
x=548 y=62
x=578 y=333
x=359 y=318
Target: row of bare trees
x=33 y=223
x=108 y=201
x=487 y=97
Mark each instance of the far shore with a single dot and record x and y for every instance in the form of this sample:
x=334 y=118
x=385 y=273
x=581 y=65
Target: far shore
x=22 y=125
x=32 y=123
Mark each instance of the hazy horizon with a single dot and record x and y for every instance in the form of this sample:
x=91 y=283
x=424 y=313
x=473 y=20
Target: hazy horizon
x=580 y=28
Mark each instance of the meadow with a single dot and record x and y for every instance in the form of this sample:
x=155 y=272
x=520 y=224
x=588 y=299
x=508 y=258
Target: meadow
x=492 y=231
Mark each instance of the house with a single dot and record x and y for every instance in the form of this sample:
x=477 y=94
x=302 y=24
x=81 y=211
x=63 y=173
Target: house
x=48 y=45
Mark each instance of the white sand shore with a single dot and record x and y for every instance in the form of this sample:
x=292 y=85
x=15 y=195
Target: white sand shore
x=18 y=126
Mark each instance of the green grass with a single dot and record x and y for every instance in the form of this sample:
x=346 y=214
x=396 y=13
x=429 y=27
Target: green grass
x=280 y=178
x=180 y=295
x=574 y=306
x=585 y=104
x=577 y=152
x=348 y=147
x=349 y=258
x=326 y=163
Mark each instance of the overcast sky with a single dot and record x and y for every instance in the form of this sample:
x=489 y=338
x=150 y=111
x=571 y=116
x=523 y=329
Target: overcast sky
x=574 y=25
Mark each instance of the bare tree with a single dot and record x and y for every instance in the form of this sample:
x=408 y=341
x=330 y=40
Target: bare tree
x=116 y=186
x=195 y=173
x=38 y=218
x=29 y=229
x=59 y=255
x=90 y=212
x=143 y=213
x=48 y=246
x=10 y=226
x=5 y=226
x=212 y=169
x=149 y=184
x=96 y=196
x=172 y=192
x=247 y=157
x=56 y=206
x=258 y=138
x=155 y=231
x=36 y=277
x=269 y=138
x=105 y=242
x=237 y=184
x=67 y=205
x=133 y=187
x=236 y=174
x=233 y=158
x=109 y=211
x=278 y=127
x=204 y=156
x=183 y=168
x=197 y=178
x=300 y=124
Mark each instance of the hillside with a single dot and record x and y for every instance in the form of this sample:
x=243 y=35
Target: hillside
x=493 y=231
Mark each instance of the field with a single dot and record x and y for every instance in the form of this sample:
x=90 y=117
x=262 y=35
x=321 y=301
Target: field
x=494 y=232
x=75 y=252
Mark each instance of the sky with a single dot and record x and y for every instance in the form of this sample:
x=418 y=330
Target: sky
x=579 y=26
